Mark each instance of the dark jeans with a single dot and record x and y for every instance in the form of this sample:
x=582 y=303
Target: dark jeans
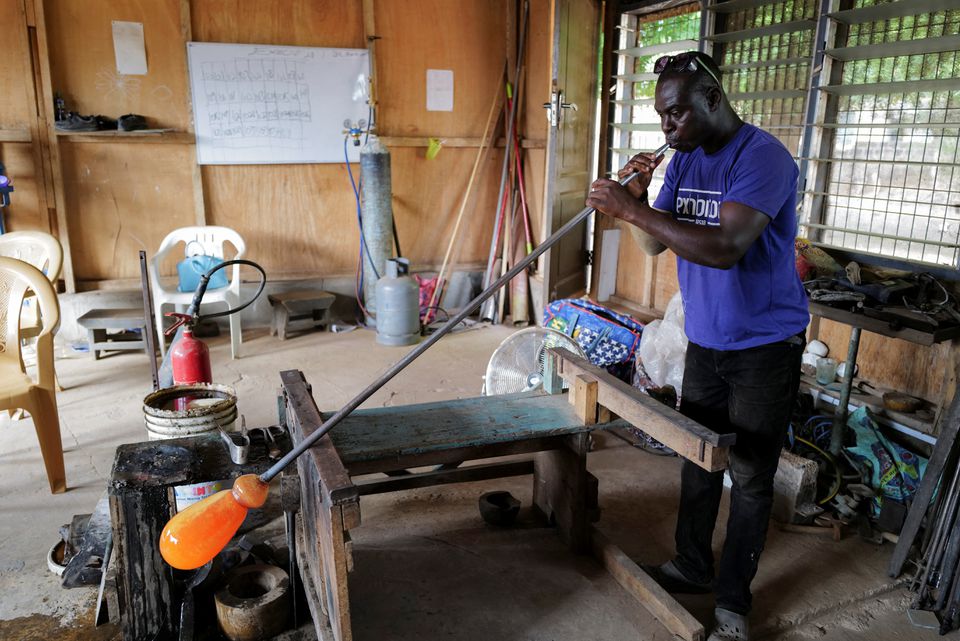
x=750 y=392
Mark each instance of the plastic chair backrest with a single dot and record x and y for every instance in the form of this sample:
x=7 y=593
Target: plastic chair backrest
x=37 y=248
x=207 y=240
x=16 y=277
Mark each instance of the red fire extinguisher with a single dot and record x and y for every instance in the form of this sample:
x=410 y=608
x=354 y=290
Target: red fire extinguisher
x=190 y=356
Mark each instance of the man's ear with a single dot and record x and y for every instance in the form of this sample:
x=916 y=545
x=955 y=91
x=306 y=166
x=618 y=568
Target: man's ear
x=714 y=97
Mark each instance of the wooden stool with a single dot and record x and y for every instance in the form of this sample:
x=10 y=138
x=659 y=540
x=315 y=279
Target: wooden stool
x=98 y=321
x=310 y=306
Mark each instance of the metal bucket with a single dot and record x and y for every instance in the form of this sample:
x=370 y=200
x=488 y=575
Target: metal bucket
x=190 y=410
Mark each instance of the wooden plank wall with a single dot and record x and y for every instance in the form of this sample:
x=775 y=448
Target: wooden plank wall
x=121 y=196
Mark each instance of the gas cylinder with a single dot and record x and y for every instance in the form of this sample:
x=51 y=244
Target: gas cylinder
x=398 y=305
x=191 y=360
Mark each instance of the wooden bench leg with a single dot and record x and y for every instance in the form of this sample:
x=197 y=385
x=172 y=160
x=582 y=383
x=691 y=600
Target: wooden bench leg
x=560 y=487
x=332 y=524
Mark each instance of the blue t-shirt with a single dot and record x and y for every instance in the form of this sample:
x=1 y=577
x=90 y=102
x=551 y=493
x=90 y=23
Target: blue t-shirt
x=759 y=300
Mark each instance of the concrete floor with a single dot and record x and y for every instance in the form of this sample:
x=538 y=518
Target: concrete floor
x=426 y=566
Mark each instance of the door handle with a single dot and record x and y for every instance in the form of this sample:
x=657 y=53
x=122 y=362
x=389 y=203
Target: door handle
x=552 y=107
x=555 y=106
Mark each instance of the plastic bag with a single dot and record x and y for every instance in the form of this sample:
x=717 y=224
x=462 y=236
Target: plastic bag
x=663 y=346
x=893 y=471
x=191 y=268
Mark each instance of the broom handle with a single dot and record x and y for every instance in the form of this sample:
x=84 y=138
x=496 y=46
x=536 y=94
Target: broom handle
x=444 y=329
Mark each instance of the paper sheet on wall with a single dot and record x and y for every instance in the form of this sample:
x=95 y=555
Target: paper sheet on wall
x=129 y=49
x=439 y=90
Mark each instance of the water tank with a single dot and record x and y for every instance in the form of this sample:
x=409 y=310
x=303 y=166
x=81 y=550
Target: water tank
x=398 y=305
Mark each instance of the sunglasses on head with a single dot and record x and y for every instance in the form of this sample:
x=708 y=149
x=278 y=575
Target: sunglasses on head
x=684 y=62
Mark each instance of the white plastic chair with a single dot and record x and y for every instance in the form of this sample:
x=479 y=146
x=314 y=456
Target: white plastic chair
x=44 y=252
x=210 y=242
x=18 y=389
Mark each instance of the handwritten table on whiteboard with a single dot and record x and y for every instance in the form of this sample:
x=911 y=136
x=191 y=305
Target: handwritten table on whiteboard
x=259 y=104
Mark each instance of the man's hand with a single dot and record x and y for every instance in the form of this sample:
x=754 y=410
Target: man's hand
x=643 y=164
x=611 y=198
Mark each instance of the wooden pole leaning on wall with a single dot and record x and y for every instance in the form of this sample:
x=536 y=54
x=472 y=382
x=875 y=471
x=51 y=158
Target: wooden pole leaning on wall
x=484 y=145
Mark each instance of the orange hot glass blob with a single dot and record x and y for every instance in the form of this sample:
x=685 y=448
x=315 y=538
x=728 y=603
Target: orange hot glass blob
x=196 y=535
x=250 y=491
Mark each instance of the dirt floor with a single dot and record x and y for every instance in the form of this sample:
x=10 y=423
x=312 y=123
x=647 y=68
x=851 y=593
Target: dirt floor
x=426 y=565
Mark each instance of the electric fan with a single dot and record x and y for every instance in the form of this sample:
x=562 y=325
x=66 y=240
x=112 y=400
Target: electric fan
x=517 y=364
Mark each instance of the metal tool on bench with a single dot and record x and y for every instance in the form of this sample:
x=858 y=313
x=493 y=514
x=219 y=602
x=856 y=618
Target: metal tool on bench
x=238 y=443
x=196 y=535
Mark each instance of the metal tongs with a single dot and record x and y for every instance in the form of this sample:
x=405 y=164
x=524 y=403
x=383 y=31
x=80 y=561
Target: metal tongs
x=238 y=443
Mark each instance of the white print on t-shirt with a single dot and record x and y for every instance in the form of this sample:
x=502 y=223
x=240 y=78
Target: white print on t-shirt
x=701 y=208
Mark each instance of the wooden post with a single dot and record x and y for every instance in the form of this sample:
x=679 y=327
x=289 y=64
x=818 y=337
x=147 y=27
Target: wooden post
x=45 y=97
x=37 y=126
x=560 y=490
x=196 y=173
x=583 y=397
x=370 y=35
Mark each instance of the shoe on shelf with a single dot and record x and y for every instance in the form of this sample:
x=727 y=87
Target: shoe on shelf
x=76 y=122
x=131 y=122
x=671 y=579
x=106 y=123
x=730 y=626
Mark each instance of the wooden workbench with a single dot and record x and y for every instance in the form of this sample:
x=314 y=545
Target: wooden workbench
x=554 y=427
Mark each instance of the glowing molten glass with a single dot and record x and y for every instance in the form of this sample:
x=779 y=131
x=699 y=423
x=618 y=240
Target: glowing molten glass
x=196 y=535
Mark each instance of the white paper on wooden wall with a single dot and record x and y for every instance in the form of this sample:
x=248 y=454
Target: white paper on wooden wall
x=129 y=49
x=439 y=90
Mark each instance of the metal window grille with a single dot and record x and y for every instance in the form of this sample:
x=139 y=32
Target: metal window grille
x=640 y=41
x=891 y=185
x=764 y=51
x=875 y=127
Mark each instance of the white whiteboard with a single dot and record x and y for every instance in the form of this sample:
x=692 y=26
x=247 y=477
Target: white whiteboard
x=259 y=104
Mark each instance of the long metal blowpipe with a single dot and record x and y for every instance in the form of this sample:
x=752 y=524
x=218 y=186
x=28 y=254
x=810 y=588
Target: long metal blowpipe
x=194 y=536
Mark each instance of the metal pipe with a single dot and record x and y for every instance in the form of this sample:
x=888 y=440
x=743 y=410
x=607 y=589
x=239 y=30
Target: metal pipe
x=150 y=327
x=940 y=529
x=445 y=329
x=843 y=409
